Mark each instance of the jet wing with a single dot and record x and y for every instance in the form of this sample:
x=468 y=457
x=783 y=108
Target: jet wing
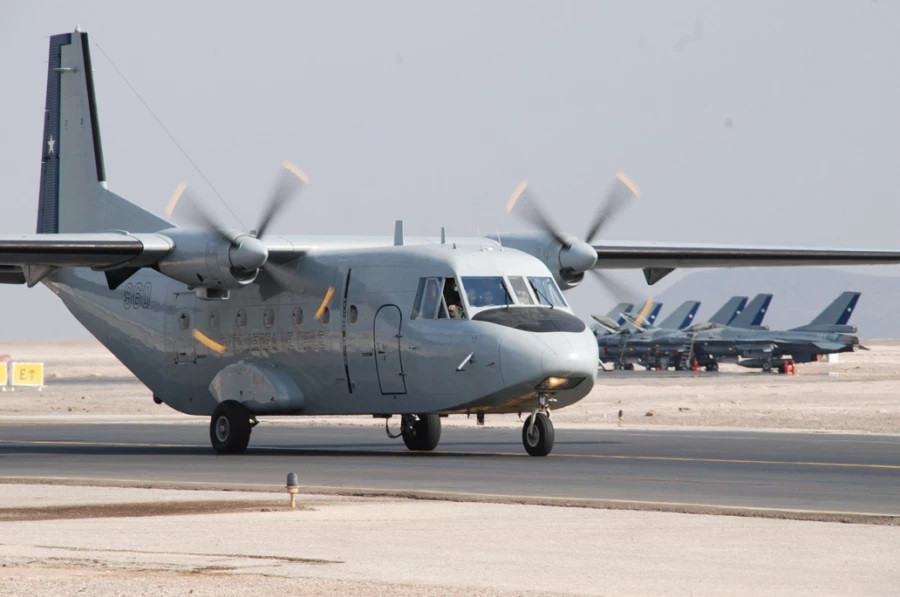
x=658 y=260
x=22 y=256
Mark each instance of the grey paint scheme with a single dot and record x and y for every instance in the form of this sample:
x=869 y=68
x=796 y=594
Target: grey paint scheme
x=148 y=321
x=824 y=335
x=730 y=310
x=752 y=316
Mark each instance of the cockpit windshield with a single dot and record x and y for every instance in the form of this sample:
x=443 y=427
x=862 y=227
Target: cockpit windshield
x=486 y=291
x=547 y=292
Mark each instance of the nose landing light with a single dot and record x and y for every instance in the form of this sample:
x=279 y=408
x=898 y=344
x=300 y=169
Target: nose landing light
x=559 y=383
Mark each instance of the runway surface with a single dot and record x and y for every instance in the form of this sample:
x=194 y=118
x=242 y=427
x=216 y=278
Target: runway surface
x=785 y=471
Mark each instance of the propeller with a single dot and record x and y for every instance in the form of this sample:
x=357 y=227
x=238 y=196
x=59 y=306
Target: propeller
x=247 y=252
x=578 y=256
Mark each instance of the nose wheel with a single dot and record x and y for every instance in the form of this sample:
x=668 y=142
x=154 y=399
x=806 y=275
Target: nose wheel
x=537 y=434
x=421 y=433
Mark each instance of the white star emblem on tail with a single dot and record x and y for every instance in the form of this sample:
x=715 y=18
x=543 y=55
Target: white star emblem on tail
x=51 y=143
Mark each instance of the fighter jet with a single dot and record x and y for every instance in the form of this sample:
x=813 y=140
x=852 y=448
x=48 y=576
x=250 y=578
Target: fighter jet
x=764 y=349
x=638 y=344
x=620 y=318
x=235 y=325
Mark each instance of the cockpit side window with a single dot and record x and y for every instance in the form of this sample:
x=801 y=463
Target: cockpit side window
x=546 y=291
x=438 y=298
x=428 y=299
x=520 y=289
x=486 y=291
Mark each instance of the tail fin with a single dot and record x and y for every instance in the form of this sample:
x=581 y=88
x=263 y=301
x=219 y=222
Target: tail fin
x=73 y=195
x=839 y=311
x=835 y=316
x=651 y=318
x=754 y=313
x=616 y=312
x=681 y=317
x=731 y=309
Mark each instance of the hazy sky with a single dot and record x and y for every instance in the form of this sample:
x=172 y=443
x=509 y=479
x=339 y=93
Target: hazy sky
x=742 y=122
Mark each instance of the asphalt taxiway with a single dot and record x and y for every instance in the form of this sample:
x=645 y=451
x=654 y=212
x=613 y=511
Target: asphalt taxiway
x=779 y=471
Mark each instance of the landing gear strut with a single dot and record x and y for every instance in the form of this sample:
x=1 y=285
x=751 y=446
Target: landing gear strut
x=537 y=433
x=421 y=433
x=229 y=427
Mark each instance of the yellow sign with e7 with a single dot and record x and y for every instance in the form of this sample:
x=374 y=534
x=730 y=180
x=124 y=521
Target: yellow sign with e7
x=28 y=374
x=4 y=375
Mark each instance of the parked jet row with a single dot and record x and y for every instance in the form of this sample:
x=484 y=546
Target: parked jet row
x=735 y=332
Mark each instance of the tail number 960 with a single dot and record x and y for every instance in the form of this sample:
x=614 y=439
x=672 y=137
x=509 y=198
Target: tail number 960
x=137 y=296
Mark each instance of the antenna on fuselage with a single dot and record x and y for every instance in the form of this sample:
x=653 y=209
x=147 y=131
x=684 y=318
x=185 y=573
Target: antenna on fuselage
x=443 y=236
x=481 y=240
x=499 y=242
x=398 y=233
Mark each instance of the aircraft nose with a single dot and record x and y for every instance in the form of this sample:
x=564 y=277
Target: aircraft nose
x=570 y=355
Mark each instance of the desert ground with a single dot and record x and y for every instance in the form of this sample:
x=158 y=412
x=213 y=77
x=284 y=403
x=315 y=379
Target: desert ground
x=75 y=539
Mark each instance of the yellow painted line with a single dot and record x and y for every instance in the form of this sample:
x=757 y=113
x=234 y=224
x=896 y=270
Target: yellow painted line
x=515 y=196
x=207 y=341
x=325 y=302
x=295 y=171
x=176 y=197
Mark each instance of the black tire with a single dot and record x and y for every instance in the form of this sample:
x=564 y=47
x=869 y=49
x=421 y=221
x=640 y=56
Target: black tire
x=540 y=441
x=229 y=428
x=713 y=366
x=421 y=433
x=629 y=366
x=767 y=366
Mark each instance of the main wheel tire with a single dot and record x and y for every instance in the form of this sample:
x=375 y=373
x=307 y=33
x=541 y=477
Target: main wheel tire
x=421 y=433
x=713 y=366
x=539 y=440
x=767 y=366
x=229 y=428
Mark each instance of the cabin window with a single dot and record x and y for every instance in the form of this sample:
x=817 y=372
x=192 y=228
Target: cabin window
x=214 y=319
x=353 y=315
x=297 y=315
x=486 y=291
x=241 y=317
x=520 y=289
x=268 y=317
x=452 y=301
x=326 y=316
x=547 y=292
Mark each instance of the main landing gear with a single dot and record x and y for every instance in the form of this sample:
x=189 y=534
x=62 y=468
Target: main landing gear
x=421 y=433
x=230 y=426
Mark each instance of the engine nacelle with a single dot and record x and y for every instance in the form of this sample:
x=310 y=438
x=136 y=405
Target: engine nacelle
x=207 y=260
x=567 y=263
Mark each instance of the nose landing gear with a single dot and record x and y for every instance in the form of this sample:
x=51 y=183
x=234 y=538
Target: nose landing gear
x=537 y=432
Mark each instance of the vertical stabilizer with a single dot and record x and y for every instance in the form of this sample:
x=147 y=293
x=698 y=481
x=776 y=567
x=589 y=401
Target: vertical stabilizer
x=651 y=318
x=73 y=195
x=839 y=311
x=754 y=313
x=731 y=309
x=616 y=312
x=681 y=317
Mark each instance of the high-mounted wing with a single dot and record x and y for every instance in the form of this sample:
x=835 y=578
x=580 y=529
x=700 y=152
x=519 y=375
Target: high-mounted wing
x=28 y=258
x=659 y=260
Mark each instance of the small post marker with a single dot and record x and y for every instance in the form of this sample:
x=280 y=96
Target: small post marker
x=621 y=416
x=293 y=487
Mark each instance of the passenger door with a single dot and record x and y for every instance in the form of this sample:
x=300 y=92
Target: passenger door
x=388 y=322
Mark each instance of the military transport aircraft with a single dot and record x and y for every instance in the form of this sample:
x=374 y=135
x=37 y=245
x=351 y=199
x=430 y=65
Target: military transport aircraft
x=234 y=325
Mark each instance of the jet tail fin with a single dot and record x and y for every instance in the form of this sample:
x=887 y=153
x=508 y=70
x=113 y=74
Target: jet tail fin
x=836 y=315
x=731 y=309
x=754 y=313
x=681 y=317
x=73 y=195
x=616 y=312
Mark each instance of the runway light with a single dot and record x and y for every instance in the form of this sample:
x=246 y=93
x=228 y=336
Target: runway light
x=293 y=487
